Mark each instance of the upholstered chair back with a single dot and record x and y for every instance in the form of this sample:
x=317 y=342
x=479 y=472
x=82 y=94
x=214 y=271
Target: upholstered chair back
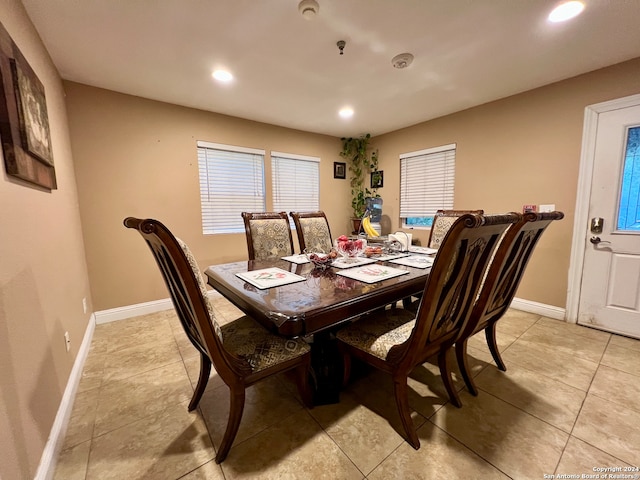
x=268 y=235
x=313 y=231
x=442 y=222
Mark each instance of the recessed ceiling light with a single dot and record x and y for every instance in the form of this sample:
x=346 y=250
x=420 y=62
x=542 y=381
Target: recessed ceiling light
x=346 y=112
x=566 y=11
x=222 y=76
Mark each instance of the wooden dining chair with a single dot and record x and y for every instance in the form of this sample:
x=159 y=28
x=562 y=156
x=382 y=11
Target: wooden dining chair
x=268 y=235
x=313 y=231
x=500 y=285
x=442 y=221
x=397 y=340
x=242 y=352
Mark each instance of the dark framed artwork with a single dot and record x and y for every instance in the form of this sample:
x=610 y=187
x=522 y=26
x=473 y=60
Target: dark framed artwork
x=377 y=179
x=24 y=121
x=339 y=170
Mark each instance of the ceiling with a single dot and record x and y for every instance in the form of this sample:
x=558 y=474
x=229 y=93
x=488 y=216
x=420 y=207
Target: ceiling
x=288 y=70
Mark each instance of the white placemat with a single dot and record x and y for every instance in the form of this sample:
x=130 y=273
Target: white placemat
x=300 y=258
x=372 y=273
x=269 y=277
x=415 y=261
x=385 y=257
x=423 y=250
x=353 y=262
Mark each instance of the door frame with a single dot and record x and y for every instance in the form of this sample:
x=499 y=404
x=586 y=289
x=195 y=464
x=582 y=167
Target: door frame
x=581 y=216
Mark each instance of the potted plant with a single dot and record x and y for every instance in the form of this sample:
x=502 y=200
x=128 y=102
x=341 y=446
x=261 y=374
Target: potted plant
x=361 y=164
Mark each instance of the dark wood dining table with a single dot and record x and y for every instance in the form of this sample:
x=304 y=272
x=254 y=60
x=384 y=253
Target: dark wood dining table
x=322 y=301
x=313 y=307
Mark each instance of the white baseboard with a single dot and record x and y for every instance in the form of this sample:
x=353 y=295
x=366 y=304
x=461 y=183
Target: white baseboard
x=122 y=313
x=51 y=451
x=545 y=310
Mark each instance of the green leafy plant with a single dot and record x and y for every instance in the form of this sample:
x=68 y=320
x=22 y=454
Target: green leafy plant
x=361 y=164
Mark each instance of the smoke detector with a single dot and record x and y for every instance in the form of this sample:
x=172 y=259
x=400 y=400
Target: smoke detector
x=402 y=61
x=308 y=9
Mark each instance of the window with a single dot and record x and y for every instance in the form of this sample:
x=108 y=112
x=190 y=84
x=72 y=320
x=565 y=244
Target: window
x=426 y=184
x=629 y=204
x=231 y=182
x=296 y=183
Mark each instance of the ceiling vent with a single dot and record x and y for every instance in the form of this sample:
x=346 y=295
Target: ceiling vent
x=308 y=9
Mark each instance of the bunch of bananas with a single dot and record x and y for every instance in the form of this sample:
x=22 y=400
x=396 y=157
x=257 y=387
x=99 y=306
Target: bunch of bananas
x=368 y=228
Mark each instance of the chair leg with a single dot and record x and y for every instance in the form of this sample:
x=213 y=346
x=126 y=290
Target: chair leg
x=490 y=333
x=302 y=382
x=401 y=391
x=445 y=373
x=463 y=365
x=408 y=303
x=237 y=394
x=205 y=371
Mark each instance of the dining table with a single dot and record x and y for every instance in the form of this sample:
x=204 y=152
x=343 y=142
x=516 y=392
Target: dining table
x=294 y=298
x=321 y=299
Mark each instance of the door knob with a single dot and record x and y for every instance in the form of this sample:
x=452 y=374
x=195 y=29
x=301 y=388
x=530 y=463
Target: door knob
x=595 y=240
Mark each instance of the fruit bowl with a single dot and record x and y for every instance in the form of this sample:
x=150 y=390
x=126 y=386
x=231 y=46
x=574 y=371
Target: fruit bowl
x=320 y=259
x=350 y=249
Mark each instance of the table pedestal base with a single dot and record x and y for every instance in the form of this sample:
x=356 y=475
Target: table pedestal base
x=327 y=366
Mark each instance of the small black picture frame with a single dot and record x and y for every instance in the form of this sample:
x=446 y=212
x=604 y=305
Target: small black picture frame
x=377 y=179
x=339 y=170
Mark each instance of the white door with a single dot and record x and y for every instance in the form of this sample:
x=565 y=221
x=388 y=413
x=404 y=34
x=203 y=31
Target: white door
x=610 y=288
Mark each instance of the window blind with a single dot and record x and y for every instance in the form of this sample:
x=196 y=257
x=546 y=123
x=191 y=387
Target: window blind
x=426 y=181
x=296 y=182
x=231 y=182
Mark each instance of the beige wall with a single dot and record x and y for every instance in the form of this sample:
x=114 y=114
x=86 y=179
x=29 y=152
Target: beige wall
x=137 y=157
x=43 y=279
x=524 y=149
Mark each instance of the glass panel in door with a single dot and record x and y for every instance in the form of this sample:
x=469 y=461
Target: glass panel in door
x=629 y=204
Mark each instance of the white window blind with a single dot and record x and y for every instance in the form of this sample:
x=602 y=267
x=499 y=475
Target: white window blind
x=296 y=182
x=231 y=182
x=426 y=181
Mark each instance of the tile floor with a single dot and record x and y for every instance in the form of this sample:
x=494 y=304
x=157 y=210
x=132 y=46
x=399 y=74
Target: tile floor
x=569 y=402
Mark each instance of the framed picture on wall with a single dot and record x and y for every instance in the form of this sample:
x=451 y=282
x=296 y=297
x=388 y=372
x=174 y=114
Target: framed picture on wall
x=377 y=179
x=24 y=121
x=339 y=170
x=32 y=113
